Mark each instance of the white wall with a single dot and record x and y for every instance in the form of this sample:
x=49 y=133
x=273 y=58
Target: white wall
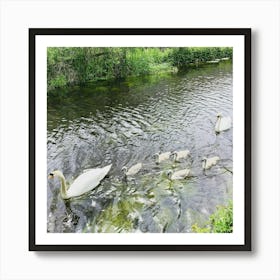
x=17 y=262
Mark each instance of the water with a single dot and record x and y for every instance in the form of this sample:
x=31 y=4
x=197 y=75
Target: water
x=126 y=122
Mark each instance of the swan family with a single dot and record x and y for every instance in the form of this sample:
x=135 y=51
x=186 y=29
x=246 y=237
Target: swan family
x=91 y=178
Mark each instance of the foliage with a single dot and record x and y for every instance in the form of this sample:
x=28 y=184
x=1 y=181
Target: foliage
x=221 y=221
x=181 y=57
x=79 y=65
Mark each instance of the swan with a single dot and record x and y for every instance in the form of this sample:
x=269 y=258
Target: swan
x=86 y=182
x=161 y=157
x=209 y=162
x=180 y=154
x=132 y=170
x=223 y=123
x=178 y=175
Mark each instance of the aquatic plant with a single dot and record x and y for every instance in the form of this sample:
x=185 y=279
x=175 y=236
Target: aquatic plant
x=120 y=216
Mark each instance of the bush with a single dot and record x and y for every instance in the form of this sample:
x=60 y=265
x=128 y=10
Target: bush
x=182 y=57
x=221 y=221
x=69 y=66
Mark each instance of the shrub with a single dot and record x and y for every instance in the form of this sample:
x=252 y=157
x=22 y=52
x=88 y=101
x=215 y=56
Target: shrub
x=182 y=57
x=79 y=65
x=221 y=221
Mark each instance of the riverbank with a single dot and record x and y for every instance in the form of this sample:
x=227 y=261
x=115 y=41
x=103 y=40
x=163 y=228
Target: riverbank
x=77 y=66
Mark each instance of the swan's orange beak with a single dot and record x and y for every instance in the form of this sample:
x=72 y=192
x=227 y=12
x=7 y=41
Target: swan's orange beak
x=50 y=176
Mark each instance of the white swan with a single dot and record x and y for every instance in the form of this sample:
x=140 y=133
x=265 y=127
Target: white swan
x=132 y=170
x=161 y=157
x=178 y=175
x=180 y=154
x=223 y=123
x=209 y=162
x=84 y=183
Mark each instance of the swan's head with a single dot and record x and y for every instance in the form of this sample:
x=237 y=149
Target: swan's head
x=219 y=115
x=204 y=162
x=124 y=169
x=204 y=159
x=55 y=173
x=169 y=173
x=174 y=155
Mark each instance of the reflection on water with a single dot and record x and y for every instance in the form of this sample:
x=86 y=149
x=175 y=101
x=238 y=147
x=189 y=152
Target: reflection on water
x=126 y=122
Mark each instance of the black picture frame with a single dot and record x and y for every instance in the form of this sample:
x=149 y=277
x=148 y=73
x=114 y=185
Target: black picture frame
x=246 y=32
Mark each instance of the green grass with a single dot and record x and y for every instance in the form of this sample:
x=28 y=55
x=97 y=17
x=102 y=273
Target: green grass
x=221 y=221
x=77 y=66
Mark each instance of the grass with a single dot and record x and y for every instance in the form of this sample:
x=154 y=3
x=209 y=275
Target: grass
x=77 y=66
x=221 y=221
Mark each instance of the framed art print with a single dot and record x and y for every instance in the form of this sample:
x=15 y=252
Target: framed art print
x=140 y=139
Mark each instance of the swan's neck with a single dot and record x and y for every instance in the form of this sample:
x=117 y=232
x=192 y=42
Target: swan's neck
x=157 y=158
x=173 y=156
x=219 y=124
x=204 y=164
x=63 y=187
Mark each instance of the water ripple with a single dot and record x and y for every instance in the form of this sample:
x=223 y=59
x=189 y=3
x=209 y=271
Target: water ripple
x=175 y=113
